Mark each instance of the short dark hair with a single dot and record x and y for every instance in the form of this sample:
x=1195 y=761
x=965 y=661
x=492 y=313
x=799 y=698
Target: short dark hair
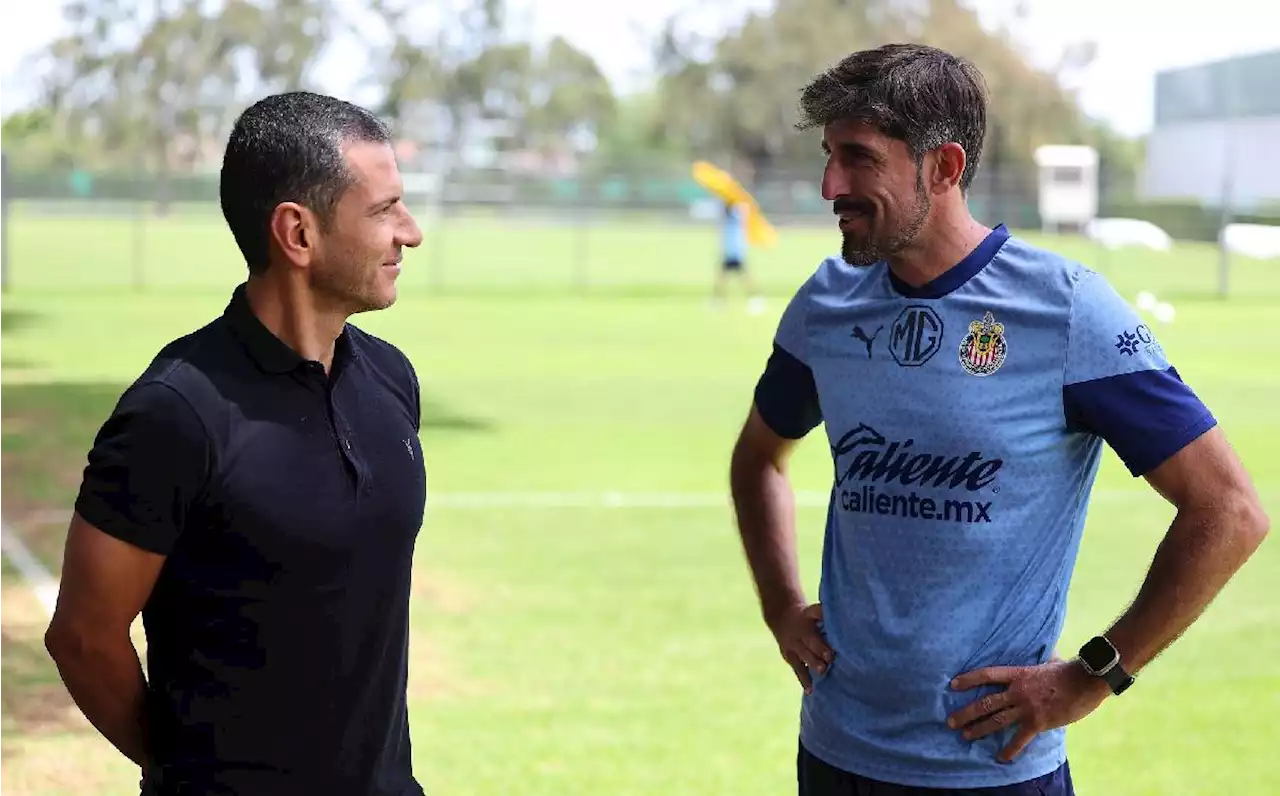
x=288 y=148
x=922 y=96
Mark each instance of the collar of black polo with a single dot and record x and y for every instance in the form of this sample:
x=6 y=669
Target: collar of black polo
x=271 y=353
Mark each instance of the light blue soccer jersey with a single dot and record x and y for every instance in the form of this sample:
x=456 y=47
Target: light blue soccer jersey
x=734 y=233
x=966 y=420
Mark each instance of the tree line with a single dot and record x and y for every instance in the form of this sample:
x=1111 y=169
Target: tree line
x=152 y=85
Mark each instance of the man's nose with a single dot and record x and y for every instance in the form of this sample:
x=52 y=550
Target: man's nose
x=834 y=183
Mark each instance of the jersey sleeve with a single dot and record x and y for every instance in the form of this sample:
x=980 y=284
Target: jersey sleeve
x=149 y=462
x=786 y=395
x=415 y=391
x=1119 y=385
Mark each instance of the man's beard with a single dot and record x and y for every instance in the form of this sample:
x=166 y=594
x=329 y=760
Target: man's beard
x=348 y=288
x=864 y=252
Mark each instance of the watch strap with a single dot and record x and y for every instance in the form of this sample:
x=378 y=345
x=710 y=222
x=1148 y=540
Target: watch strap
x=1118 y=679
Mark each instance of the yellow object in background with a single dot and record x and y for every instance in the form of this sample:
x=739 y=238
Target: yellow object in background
x=725 y=188
x=759 y=231
x=721 y=183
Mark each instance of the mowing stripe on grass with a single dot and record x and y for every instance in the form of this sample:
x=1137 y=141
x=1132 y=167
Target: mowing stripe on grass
x=39 y=579
x=45 y=585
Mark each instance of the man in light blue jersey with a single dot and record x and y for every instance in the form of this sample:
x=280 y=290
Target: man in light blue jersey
x=967 y=382
x=733 y=251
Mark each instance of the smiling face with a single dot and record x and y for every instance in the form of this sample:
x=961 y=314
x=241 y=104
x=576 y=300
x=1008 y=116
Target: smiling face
x=903 y=126
x=359 y=252
x=876 y=188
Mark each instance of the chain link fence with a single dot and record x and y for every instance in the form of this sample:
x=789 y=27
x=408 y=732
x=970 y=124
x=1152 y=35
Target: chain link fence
x=496 y=231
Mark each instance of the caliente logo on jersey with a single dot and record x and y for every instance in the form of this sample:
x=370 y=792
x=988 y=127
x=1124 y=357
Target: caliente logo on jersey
x=868 y=466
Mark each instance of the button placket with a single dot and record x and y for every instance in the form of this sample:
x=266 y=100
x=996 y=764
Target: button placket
x=343 y=434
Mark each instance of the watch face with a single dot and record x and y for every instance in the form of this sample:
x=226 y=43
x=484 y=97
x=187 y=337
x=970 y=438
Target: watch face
x=1098 y=653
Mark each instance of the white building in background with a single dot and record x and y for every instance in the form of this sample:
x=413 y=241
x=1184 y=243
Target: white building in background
x=1217 y=134
x=1068 y=186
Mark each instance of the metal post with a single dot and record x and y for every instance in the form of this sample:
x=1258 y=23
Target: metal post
x=438 y=223
x=1228 y=179
x=1224 y=253
x=142 y=205
x=5 y=198
x=581 y=265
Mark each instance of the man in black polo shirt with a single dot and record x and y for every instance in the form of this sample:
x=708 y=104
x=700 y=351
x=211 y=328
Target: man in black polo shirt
x=257 y=493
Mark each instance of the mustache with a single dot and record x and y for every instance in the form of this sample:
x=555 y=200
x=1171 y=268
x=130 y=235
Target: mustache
x=844 y=205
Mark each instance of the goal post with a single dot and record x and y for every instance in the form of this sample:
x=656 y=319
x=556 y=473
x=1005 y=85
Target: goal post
x=423 y=195
x=6 y=196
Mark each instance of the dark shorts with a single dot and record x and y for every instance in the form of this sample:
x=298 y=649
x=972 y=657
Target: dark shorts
x=817 y=778
x=732 y=264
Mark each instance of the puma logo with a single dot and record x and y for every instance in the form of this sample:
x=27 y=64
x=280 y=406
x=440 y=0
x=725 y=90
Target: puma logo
x=861 y=335
x=408 y=445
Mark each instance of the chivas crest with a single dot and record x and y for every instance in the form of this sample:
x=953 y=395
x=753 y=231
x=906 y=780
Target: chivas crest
x=983 y=349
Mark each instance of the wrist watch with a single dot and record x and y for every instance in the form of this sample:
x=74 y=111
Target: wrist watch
x=1100 y=658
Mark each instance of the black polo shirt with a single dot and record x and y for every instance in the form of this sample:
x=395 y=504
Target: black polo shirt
x=287 y=502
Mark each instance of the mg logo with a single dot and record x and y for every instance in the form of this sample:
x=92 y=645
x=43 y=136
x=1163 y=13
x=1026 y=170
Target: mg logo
x=916 y=336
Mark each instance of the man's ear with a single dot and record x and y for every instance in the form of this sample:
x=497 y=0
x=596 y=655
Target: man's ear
x=295 y=232
x=949 y=161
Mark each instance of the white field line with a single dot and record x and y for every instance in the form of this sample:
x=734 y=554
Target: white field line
x=39 y=579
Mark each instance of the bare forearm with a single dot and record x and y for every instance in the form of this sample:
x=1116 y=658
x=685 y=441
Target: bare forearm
x=1202 y=551
x=107 y=683
x=765 y=506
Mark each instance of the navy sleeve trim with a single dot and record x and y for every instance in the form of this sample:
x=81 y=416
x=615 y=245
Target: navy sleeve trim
x=1146 y=416
x=787 y=395
x=150 y=461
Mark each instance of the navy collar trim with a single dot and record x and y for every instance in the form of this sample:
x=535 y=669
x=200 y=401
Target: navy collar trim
x=955 y=277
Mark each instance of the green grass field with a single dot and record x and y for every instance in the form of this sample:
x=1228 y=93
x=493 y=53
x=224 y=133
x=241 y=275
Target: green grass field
x=564 y=644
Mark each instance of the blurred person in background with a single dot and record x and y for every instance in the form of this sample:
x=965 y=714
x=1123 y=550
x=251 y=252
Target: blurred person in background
x=733 y=256
x=968 y=382
x=257 y=494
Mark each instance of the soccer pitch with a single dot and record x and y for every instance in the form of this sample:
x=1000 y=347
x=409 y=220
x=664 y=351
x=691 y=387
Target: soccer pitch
x=583 y=618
